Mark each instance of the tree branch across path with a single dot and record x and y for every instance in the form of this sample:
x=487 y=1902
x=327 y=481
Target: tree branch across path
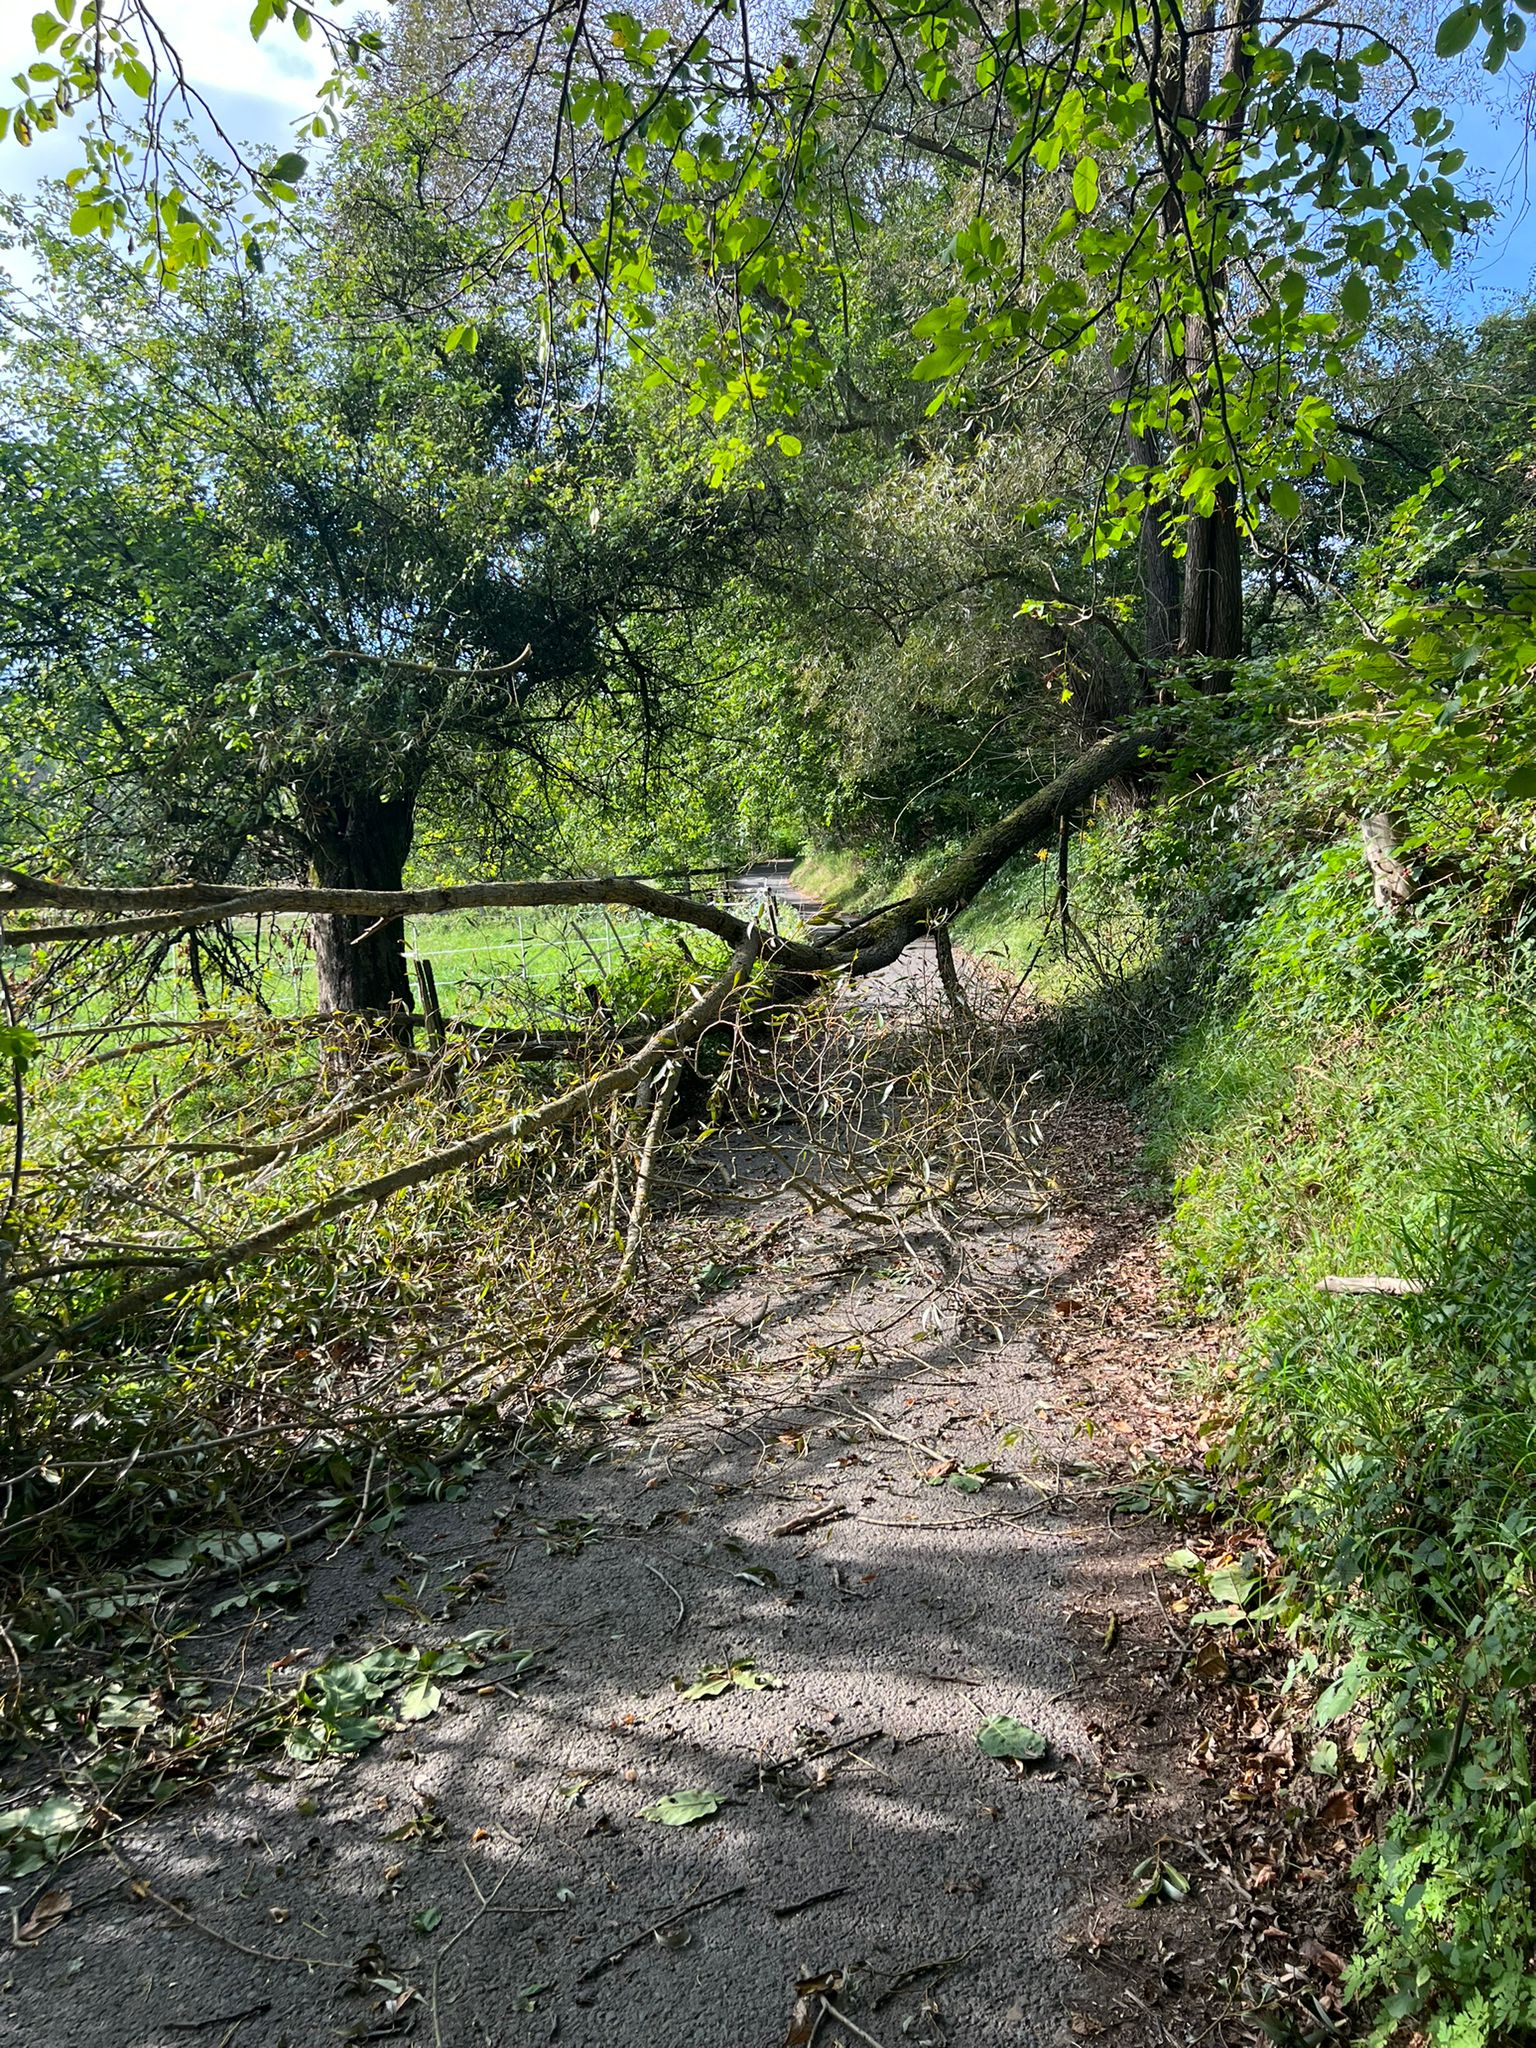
x=795 y=965
x=674 y=1037
x=878 y=939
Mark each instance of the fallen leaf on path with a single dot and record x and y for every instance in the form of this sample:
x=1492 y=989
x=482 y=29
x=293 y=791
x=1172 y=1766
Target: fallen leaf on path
x=50 y=1909
x=740 y=1675
x=808 y=2014
x=419 y=1701
x=1153 y=1880
x=681 y=1809
x=1002 y=1736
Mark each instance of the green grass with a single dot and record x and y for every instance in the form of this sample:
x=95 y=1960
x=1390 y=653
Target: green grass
x=491 y=966
x=1296 y=1152
x=1354 y=1099
x=504 y=965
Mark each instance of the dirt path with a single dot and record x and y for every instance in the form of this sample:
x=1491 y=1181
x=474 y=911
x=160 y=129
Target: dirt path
x=487 y=1875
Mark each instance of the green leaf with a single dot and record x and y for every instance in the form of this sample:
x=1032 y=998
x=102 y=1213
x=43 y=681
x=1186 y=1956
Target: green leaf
x=789 y=444
x=1085 y=185
x=682 y=1809
x=1355 y=300
x=429 y=1918
x=1341 y=1696
x=1002 y=1736
x=1285 y=500
x=33 y=1836
x=740 y=1675
x=288 y=169
x=419 y=1701
x=1232 y=1584
x=1456 y=31
x=46 y=30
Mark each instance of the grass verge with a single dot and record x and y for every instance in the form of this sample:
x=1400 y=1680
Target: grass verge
x=1355 y=1100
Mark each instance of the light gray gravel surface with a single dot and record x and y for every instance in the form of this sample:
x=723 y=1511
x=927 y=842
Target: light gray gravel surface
x=485 y=1876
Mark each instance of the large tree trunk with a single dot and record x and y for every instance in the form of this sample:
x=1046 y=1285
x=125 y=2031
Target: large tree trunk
x=359 y=840
x=1213 y=583
x=1160 y=592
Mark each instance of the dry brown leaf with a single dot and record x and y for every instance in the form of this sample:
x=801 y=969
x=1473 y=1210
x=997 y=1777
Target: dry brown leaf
x=809 y=2011
x=1325 y=1959
x=50 y=1909
x=1211 y=1663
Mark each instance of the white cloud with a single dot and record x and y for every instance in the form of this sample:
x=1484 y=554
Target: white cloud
x=215 y=43
x=255 y=88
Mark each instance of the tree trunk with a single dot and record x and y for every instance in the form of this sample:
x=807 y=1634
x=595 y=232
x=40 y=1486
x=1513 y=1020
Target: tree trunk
x=358 y=840
x=1160 y=592
x=1213 y=584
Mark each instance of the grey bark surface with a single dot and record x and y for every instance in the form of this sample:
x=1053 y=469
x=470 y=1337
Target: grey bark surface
x=1391 y=883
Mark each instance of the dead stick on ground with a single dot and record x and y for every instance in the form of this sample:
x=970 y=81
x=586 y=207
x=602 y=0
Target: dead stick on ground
x=682 y=1610
x=938 y=1970
x=816 y=1756
x=665 y=1095
x=617 y=1955
x=140 y=1888
x=814 y=1520
x=840 y=2018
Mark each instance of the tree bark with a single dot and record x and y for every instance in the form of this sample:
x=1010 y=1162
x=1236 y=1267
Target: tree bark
x=1160 y=590
x=1213 y=583
x=358 y=840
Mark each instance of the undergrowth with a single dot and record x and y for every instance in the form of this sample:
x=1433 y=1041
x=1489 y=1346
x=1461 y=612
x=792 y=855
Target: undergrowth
x=1350 y=1095
x=190 y=1456
x=164 y=1476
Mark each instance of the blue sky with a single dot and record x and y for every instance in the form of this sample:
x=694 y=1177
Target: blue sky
x=1498 y=139
x=258 y=89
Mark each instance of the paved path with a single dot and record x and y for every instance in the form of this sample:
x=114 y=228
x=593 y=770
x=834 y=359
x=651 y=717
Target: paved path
x=491 y=1867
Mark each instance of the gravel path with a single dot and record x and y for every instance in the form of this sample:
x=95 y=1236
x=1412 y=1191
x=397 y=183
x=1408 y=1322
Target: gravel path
x=485 y=1876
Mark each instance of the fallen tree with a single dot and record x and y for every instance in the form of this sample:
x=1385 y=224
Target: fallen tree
x=873 y=943
x=794 y=967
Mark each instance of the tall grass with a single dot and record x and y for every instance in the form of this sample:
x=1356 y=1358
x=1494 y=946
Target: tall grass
x=1355 y=1100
